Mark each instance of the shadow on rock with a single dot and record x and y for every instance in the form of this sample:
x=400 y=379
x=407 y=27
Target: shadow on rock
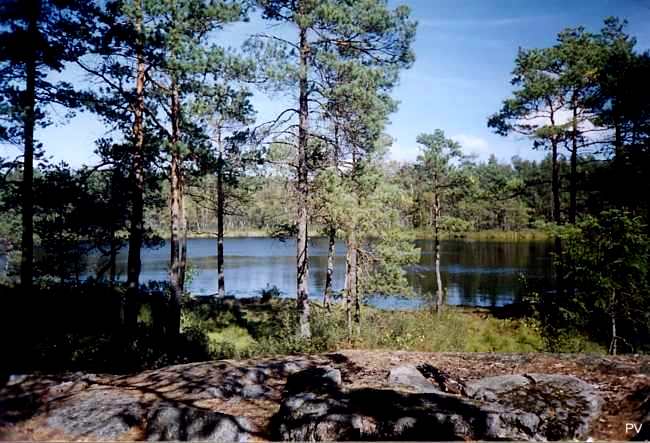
x=317 y=407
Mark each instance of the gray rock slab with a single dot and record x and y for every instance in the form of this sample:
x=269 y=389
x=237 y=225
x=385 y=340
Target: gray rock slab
x=519 y=407
x=411 y=377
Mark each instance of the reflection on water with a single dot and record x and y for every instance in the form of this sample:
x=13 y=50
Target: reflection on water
x=474 y=272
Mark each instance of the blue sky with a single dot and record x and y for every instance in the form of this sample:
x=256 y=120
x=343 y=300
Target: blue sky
x=464 y=55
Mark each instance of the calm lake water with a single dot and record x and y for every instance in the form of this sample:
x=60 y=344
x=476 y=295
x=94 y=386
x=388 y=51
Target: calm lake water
x=480 y=273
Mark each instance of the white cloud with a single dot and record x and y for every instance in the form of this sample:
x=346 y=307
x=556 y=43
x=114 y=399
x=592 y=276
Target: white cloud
x=401 y=153
x=563 y=116
x=472 y=144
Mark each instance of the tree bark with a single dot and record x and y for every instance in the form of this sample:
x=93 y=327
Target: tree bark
x=27 y=243
x=136 y=227
x=220 y=214
x=113 y=259
x=555 y=182
x=573 y=186
x=350 y=280
x=302 y=261
x=183 y=238
x=331 y=251
x=612 y=307
x=436 y=253
x=176 y=220
x=618 y=138
x=357 y=295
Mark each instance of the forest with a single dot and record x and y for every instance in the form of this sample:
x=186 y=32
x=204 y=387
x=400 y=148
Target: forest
x=185 y=156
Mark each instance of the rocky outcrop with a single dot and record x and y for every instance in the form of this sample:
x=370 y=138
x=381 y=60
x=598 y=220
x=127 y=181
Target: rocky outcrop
x=411 y=378
x=351 y=395
x=110 y=414
x=565 y=406
x=533 y=407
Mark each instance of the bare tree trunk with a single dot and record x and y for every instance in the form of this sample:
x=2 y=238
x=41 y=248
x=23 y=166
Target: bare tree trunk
x=618 y=138
x=350 y=279
x=302 y=260
x=555 y=183
x=331 y=250
x=357 y=295
x=113 y=259
x=220 y=214
x=176 y=220
x=612 y=307
x=183 y=267
x=27 y=243
x=573 y=204
x=183 y=239
x=555 y=189
x=436 y=253
x=136 y=227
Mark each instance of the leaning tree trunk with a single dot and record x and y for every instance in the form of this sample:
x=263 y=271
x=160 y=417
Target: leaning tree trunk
x=136 y=228
x=29 y=122
x=302 y=261
x=176 y=220
x=220 y=214
x=331 y=251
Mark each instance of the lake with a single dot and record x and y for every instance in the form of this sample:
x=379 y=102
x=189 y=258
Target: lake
x=478 y=273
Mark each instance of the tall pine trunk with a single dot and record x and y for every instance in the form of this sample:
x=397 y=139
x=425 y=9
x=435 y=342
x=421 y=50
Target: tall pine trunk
x=29 y=122
x=329 y=275
x=112 y=259
x=573 y=186
x=136 y=227
x=302 y=260
x=612 y=315
x=436 y=253
x=175 y=273
x=555 y=181
x=183 y=237
x=618 y=138
x=357 y=296
x=350 y=279
x=221 y=291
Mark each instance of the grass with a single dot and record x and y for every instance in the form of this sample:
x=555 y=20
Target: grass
x=456 y=329
x=231 y=341
x=250 y=329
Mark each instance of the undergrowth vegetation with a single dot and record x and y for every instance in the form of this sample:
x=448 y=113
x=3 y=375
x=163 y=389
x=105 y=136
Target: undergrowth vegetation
x=81 y=329
x=248 y=328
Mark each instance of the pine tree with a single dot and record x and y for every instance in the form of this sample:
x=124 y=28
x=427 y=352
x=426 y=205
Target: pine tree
x=327 y=32
x=535 y=109
x=37 y=38
x=225 y=112
x=439 y=170
x=185 y=62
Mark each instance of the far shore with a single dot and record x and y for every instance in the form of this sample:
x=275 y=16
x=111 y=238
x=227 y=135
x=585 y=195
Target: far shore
x=420 y=234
